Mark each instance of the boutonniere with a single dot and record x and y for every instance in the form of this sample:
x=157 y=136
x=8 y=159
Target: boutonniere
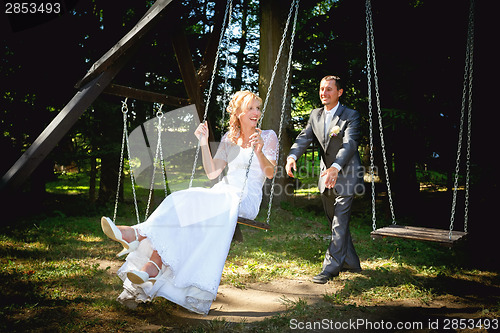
x=335 y=130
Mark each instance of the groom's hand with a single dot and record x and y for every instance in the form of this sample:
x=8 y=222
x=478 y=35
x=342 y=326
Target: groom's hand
x=331 y=175
x=290 y=164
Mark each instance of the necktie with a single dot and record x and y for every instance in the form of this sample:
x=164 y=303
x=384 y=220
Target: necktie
x=327 y=124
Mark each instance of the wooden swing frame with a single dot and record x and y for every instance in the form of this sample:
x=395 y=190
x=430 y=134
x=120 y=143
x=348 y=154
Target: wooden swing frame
x=441 y=236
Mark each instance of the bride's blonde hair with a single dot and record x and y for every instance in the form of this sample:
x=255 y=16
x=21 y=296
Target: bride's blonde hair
x=235 y=108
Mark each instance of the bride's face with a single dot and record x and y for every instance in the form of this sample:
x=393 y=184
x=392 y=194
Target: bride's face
x=250 y=114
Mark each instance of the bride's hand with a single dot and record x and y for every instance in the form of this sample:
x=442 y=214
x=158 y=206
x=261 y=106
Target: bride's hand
x=201 y=133
x=256 y=140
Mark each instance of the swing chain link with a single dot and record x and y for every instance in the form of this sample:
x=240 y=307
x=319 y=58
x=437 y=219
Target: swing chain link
x=125 y=106
x=159 y=113
x=371 y=42
x=466 y=92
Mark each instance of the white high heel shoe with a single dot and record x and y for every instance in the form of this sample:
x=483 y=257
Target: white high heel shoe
x=115 y=234
x=140 y=277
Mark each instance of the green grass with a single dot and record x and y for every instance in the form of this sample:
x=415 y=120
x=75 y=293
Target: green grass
x=54 y=269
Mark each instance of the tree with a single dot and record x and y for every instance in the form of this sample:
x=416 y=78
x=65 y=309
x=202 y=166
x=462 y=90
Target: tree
x=272 y=24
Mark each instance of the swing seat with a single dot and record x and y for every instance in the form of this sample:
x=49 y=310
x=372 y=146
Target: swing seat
x=253 y=223
x=440 y=236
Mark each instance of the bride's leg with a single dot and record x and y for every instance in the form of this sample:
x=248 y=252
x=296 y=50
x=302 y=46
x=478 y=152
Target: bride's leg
x=128 y=233
x=150 y=268
x=149 y=272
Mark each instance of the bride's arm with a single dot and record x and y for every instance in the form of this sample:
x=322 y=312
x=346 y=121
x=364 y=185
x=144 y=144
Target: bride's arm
x=267 y=165
x=213 y=166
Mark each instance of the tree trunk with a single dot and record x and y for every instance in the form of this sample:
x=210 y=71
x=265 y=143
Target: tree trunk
x=273 y=19
x=92 y=180
x=110 y=128
x=109 y=177
x=406 y=186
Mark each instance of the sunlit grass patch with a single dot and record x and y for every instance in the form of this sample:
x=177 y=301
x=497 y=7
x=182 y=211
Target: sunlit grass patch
x=57 y=271
x=307 y=191
x=405 y=291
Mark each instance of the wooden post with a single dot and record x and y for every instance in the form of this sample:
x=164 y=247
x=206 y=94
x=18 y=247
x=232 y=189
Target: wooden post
x=189 y=76
x=188 y=71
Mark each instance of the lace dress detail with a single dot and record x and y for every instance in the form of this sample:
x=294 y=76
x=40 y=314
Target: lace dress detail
x=192 y=231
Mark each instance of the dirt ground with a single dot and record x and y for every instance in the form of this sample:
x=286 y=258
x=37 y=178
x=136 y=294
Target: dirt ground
x=258 y=301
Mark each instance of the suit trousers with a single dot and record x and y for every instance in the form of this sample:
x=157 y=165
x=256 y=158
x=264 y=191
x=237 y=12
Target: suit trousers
x=340 y=254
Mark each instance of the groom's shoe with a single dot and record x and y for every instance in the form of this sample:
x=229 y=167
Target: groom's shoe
x=323 y=277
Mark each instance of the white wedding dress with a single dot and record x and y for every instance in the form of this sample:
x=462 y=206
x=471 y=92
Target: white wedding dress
x=192 y=231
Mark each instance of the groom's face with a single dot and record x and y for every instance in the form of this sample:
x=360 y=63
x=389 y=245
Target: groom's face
x=329 y=94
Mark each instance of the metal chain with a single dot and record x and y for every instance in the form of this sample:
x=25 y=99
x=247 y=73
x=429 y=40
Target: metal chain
x=469 y=117
x=212 y=79
x=283 y=104
x=159 y=116
x=162 y=160
x=120 y=169
x=225 y=95
x=283 y=37
x=133 y=183
x=371 y=41
x=370 y=113
x=467 y=83
x=125 y=142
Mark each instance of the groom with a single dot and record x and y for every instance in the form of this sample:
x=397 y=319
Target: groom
x=336 y=128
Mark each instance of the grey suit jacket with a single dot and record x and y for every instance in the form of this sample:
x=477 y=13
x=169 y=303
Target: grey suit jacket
x=341 y=149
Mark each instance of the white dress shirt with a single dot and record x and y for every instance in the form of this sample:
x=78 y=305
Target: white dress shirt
x=329 y=114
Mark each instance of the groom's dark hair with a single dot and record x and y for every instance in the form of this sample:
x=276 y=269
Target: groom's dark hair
x=338 y=81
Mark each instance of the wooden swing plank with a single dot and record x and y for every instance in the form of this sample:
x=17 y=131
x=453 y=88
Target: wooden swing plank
x=440 y=236
x=254 y=224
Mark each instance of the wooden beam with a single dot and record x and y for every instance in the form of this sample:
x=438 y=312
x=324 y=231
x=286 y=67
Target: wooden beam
x=59 y=126
x=188 y=71
x=146 y=96
x=207 y=62
x=138 y=31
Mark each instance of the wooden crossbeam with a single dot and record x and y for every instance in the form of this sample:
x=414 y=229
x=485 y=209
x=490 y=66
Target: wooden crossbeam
x=440 y=236
x=146 y=96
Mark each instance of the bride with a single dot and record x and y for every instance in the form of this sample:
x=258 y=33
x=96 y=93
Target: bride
x=180 y=251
